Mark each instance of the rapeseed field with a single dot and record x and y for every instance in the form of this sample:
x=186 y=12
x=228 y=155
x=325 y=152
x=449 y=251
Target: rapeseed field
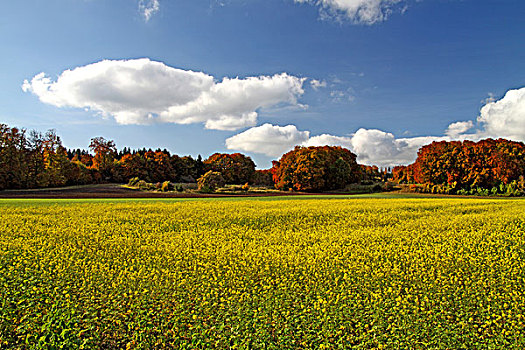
x=292 y=273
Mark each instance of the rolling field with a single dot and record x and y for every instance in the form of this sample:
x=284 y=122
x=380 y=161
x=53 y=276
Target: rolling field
x=274 y=273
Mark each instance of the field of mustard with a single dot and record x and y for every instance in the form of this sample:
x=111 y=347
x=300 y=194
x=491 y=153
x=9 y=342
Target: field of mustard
x=291 y=273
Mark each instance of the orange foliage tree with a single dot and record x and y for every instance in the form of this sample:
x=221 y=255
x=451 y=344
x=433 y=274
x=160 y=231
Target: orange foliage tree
x=315 y=169
x=105 y=153
x=236 y=168
x=487 y=164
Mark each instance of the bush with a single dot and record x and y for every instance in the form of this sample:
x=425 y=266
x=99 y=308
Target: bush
x=210 y=181
x=133 y=182
x=145 y=186
x=388 y=186
x=377 y=188
x=166 y=186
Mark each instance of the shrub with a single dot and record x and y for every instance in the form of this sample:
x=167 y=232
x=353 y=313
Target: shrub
x=166 y=186
x=145 y=186
x=133 y=182
x=377 y=188
x=210 y=181
x=388 y=186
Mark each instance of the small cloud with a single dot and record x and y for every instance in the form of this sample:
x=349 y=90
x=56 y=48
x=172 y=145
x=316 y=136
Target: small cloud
x=336 y=80
x=317 y=84
x=458 y=128
x=367 y=12
x=343 y=95
x=337 y=95
x=148 y=8
x=489 y=99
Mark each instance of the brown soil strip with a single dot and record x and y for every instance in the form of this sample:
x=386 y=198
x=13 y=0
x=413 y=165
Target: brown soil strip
x=116 y=191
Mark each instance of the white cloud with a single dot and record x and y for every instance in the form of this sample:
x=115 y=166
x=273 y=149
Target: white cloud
x=357 y=11
x=141 y=91
x=491 y=98
x=234 y=102
x=343 y=95
x=148 y=8
x=268 y=139
x=378 y=147
x=504 y=118
x=317 y=84
x=458 y=128
x=329 y=140
x=373 y=147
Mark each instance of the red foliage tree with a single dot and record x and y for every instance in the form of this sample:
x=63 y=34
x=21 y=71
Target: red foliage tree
x=484 y=164
x=236 y=168
x=315 y=169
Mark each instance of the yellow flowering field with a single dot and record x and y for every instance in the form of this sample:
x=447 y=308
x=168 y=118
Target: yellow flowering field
x=288 y=273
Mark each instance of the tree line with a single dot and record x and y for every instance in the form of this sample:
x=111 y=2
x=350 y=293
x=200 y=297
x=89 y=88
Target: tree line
x=37 y=160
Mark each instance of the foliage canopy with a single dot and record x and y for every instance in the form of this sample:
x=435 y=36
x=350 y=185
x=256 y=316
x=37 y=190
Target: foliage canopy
x=316 y=169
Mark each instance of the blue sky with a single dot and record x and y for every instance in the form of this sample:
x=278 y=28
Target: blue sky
x=381 y=77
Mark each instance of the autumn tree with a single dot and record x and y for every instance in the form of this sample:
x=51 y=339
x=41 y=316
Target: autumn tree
x=315 y=169
x=14 y=171
x=56 y=163
x=486 y=164
x=105 y=153
x=263 y=178
x=236 y=168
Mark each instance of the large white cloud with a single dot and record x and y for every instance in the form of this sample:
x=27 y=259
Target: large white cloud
x=271 y=140
x=357 y=11
x=141 y=91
